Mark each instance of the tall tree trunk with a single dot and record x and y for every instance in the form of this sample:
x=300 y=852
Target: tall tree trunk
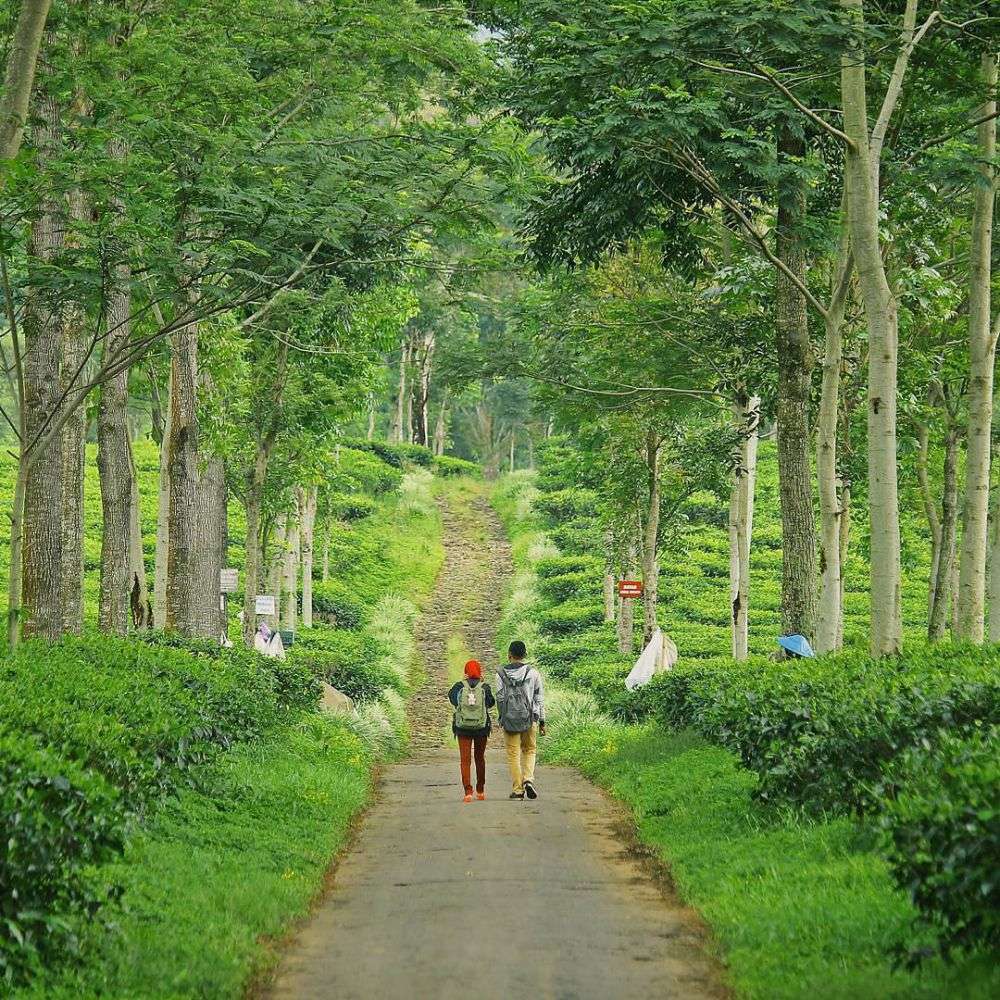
x=371 y=422
x=19 y=77
x=650 y=537
x=422 y=390
x=798 y=529
x=845 y=537
x=290 y=574
x=830 y=608
x=949 y=527
x=746 y=411
x=326 y=550
x=308 y=502
x=881 y=313
x=74 y=455
x=400 y=416
x=931 y=513
x=626 y=610
x=252 y=571
x=184 y=479
x=982 y=356
x=276 y=568
x=995 y=572
x=211 y=535
x=163 y=518
x=123 y=577
x=43 y=487
x=440 y=430
x=139 y=599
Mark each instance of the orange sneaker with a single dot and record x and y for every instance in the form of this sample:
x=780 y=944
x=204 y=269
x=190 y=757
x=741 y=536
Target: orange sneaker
x=468 y=798
x=481 y=796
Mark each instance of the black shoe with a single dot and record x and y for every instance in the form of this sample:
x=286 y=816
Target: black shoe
x=515 y=795
x=529 y=790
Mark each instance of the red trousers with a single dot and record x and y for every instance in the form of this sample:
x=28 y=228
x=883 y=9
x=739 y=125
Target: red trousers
x=465 y=748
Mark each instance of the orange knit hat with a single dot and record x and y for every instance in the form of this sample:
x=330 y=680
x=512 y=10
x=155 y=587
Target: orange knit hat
x=474 y=669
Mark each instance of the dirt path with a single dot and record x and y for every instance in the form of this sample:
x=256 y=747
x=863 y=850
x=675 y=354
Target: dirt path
x=494 y=899
x=466 y=604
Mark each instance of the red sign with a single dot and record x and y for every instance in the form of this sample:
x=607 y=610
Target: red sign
x=630 y=588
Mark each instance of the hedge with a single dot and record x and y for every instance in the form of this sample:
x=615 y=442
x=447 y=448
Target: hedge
x=944 y=839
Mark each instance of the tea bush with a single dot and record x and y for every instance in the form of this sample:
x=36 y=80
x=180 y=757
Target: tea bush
x=561 y=565
x=570 y=585
x=820 y=733
x=57 y=820
x=944 y=839
x=335 y=603
x=447 y=465
x=351 y=661
x=569 y=618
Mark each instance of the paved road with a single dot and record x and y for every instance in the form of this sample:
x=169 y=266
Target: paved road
x=493 y=899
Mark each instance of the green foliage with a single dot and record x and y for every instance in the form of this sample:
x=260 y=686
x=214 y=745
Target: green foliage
x=569 y=618
x=447 y=465
x=223 y=864
x=800 y=908
x=821 y=733
x=561 y=565
x=334 y=603
x=353 y=662
x=57 y=820
x=944 y=840
x=349 y=506
x=569 y=585
x=566 y=504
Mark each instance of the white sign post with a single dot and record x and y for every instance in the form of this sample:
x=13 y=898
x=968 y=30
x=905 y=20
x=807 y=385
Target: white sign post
x=229 y=581
x=264 y=605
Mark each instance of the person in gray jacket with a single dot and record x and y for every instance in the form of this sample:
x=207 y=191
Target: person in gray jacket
x=520 y=698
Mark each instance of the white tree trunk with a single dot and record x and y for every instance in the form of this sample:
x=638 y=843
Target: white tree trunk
x=982 y=355
x=626 y=610
x=830 y=610
x=308 y=501
x=276 y=568
x=650 y=538
x=163 y=521
x=995 y=573
x=22 y=58
x=746 y=412
x=290 y=575
x=881 y=313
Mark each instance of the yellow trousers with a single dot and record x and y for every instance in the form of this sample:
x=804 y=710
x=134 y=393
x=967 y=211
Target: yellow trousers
x=521 y=757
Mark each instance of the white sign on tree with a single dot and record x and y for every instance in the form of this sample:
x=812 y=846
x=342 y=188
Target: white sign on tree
x=264 y=604
x=229 y=581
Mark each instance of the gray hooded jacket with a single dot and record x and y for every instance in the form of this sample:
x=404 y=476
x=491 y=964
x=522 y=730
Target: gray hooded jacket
x=533 y=683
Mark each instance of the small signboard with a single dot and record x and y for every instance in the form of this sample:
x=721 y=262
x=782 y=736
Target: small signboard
x=264 y=604
x=630 y=588
x=229 y=581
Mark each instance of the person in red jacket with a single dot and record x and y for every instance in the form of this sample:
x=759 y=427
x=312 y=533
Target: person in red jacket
x=471 y=723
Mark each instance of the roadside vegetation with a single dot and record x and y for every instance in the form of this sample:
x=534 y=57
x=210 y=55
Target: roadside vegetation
x=832 y=819
x=169 y=806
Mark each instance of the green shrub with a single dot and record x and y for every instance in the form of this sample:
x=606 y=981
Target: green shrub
x=142 y=715
x=353 y=662
x=566 y=504
x=557 y=658
x=350 y=506
x=570 y=586
x=570 y=618
x=57 y=821
x=561 y=565
x=361 y=471
x=944 y=837
x=448 y=465
x=334 y=603
x=578 y=536
x=820 y=733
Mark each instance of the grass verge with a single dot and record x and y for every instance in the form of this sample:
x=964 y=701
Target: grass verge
x=800 y=908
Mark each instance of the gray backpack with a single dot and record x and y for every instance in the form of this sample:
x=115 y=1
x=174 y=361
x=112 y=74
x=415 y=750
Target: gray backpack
x=515 y=703
x=471 y=713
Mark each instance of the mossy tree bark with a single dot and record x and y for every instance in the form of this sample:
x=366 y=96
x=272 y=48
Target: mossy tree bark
x=746 y=413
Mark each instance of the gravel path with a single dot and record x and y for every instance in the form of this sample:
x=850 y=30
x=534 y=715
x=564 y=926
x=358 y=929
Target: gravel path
x=495 y=899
